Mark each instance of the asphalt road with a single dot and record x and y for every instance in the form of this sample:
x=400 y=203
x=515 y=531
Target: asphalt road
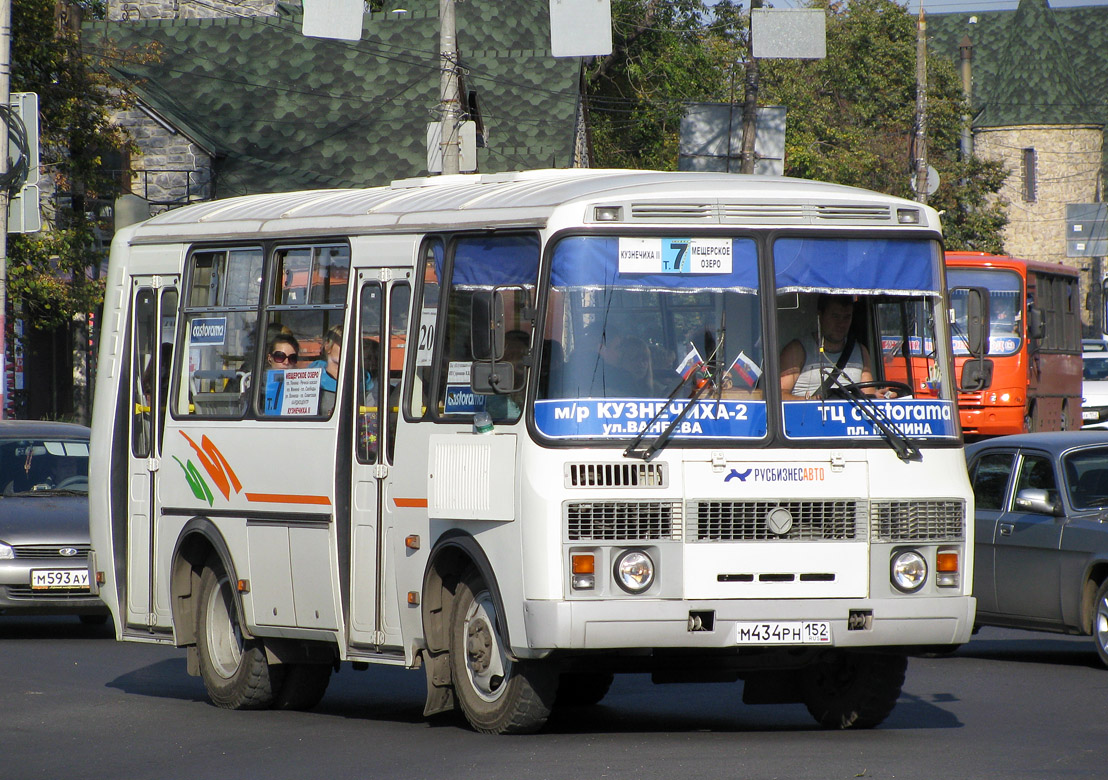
x=75 y=704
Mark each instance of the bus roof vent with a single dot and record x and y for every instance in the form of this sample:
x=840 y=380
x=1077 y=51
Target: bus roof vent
x=757 y=213
x=617 y=475
x=673 y=212
x=854 y=212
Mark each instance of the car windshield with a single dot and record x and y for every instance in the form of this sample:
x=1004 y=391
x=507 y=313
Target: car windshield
x=43 y=465
x=1095 y=368
x=1087 y=477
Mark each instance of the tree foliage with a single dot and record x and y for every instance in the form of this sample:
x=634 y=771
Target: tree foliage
x=49 y=272
x=850 y=116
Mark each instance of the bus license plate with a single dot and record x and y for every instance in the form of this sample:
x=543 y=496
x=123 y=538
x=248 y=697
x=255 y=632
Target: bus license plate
x=806 y=632
x=47 y=579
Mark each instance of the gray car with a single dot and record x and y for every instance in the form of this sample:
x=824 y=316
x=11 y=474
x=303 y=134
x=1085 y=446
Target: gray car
x=44 y=528
x=1041 y=551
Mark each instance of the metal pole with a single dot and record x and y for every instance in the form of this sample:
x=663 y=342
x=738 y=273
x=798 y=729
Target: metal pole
x=965 y=49
x=921 y=108
x=750 y=102
x=5 y=100
x=448 y=56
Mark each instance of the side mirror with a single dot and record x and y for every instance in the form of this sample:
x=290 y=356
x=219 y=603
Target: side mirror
x=1038 y=501
x=492 y=378
x=977 y=319
x=977 y=372
x=1035 y=327
x=487 y=325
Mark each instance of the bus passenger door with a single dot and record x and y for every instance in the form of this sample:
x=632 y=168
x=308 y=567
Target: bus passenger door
x=153 y=329
x=383 y=301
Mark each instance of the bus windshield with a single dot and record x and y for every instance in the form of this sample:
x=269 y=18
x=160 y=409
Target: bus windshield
x=1004 y=307
x=630 y=320
x=641 y=331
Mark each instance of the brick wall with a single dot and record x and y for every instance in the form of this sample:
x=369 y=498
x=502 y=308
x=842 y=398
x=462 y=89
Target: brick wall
x=169 y=168
x=1067 y=170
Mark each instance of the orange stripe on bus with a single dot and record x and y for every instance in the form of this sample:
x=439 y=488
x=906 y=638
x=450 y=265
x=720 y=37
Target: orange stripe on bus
x=410 y=502
x=283 y=498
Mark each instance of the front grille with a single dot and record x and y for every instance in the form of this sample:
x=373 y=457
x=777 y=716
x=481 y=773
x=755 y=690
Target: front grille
x=622 y=520
x=918 y=521
x=616 y=475
x=745 y=521
x=52 y=551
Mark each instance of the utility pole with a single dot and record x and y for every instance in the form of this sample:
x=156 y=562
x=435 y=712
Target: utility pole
x=450 y=140
x=965 y=50
x=750 y=102
x=921 y=108
x=5 y=101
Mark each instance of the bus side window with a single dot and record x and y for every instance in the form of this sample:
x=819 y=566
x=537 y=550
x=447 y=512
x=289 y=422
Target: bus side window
x=220 y=317
x=304 y=341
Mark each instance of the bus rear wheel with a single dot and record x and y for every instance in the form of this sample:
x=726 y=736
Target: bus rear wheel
x=234 y=669
x=852 y=690
x=496 y=694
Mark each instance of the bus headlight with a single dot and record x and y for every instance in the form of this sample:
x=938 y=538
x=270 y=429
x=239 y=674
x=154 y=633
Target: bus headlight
x=634 y=571
x=909 y=571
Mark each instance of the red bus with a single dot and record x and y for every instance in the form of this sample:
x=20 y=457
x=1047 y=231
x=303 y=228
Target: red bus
x=1030 y=379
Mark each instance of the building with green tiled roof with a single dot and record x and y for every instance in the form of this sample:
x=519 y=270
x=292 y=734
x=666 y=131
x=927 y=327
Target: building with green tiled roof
x=1040 y=104
x=239 y=101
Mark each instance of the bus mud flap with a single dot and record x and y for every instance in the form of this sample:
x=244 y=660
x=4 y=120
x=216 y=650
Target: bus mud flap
x=440 y=688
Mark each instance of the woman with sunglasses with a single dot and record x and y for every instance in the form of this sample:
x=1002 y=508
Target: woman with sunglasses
x=284 y=351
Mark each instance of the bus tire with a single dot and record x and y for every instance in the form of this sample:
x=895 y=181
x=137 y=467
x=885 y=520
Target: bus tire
x=582 y=689
x=303 y=686
x=852 y=690
x=234 y=669
x=496 y=694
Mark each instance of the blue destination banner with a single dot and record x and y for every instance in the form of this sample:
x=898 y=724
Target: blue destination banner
x=919 y=419
x=610 y=418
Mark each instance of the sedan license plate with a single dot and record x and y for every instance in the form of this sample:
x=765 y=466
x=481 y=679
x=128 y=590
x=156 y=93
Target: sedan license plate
x=48 y=579
x=1090 y=414
x=798 y=632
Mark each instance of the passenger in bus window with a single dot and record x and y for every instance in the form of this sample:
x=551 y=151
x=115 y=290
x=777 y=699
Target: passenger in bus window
x=815 y=363
x=627 y=368
x=284 y=351
x=328 y=381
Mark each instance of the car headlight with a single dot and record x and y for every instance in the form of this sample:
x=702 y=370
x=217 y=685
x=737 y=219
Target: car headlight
x=634 y=571
x=909 y=571
x=6 y=552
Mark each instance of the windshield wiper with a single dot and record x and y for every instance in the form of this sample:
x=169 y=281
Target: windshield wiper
x=713 y=367
x=904 y=447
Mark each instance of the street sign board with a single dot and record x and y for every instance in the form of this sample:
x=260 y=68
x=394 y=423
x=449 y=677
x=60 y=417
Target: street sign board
x=467 y=160
x=712 y=139
x=340 y=20
x=789 y=33
x=580 y=28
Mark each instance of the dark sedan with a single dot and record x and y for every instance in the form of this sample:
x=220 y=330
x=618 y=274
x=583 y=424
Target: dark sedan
x=44 y=529
x=1041 y=551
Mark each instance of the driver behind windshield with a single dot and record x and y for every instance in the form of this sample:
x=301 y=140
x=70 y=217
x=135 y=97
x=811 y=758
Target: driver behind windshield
x=813 y=364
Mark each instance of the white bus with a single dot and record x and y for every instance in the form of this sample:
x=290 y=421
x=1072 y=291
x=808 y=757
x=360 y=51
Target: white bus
x=527 y=431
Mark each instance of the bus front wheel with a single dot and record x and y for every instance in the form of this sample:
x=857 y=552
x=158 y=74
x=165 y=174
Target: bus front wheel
x=852 y=690
x=234 y=669
x=496 y=694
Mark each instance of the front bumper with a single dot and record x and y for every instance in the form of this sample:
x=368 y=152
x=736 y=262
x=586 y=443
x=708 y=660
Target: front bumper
x=17 y=595
x=595 y=625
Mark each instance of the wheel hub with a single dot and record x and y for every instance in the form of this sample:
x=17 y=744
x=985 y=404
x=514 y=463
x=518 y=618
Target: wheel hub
x=479 y=646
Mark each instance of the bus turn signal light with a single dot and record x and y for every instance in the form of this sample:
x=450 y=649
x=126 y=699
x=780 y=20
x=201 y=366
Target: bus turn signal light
x=946 y=568
x=583 y=566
